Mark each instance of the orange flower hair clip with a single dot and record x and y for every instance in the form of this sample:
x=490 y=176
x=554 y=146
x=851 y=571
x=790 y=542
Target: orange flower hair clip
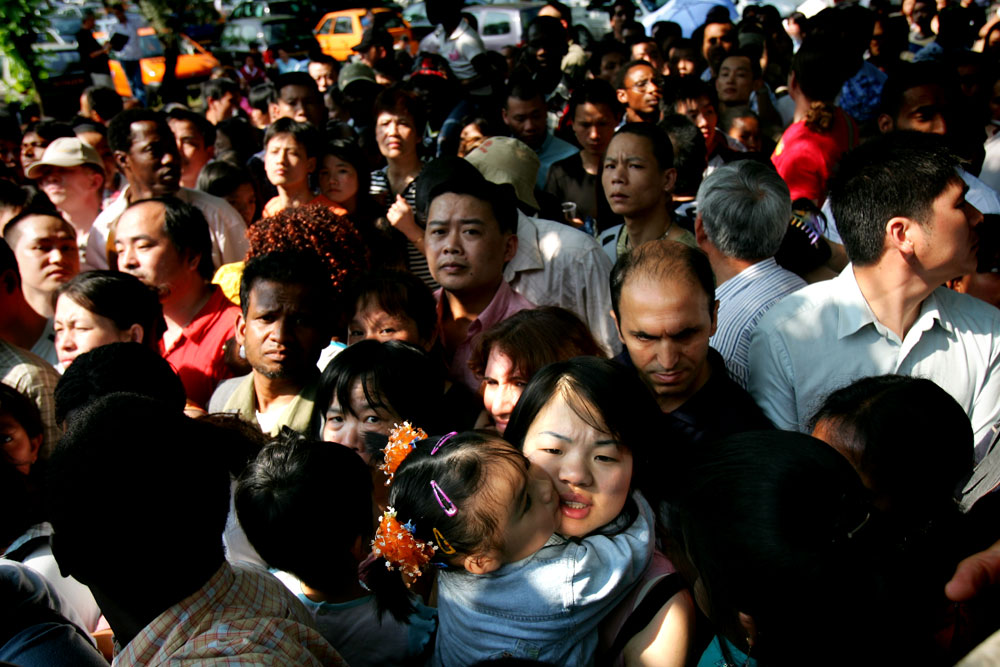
x=395 y=543
x=402 y=440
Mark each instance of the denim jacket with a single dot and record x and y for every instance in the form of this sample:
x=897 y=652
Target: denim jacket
x=545 y=607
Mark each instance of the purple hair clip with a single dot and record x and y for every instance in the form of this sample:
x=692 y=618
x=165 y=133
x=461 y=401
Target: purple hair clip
x=443 y=500
x=444 y=439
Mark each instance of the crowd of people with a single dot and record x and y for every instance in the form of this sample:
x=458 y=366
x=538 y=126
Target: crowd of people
x=650 y=349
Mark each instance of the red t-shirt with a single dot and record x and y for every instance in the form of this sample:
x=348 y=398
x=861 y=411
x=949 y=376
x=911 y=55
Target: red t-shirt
x=805 y=159
x=197 y=355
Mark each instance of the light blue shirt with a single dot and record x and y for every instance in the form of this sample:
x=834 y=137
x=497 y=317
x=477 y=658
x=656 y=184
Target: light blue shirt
x=743 y=300
x=545 y=607
x=825 y=336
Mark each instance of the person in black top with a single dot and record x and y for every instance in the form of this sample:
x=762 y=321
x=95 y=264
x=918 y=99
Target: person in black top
x=93 y=56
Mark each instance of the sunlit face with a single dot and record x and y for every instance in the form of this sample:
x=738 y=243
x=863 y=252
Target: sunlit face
x=71 y=186
x=79 y=330
x=591 y=470
x=594 y=126
x=370 y=321
x=923 y=110
x=396 y=135
x=649 y=52
x=469 y=139
x=20 y=450
x=323 y=75
x=503 y=385
x=665 y=325
x=338 y=181
x=191 y=147
x=46 y=251
x=32 y=148
x=947 y=244
x=717 y=38
x=527 y=120
x=349 y=426
x=528 y=516
x=151 y=164
x=735 y=81
x=640 y=92
x=145 y=250
x=244 y=200
x=287 y=162
x=633 y=181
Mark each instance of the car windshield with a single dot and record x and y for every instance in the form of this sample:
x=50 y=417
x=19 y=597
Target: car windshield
x=291 y=8
x=284 y=32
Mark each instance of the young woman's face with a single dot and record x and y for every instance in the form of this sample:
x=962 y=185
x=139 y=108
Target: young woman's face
x=20 y=450
x=348 y=425
x=244 y=200
x=591 y=470
x=338 y=181
x=503 y=385
x=79 y=330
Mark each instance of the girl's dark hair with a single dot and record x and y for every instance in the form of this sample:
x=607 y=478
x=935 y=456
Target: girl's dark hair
x=280 y=494
x=658 y=140
x=398 y=293
x=820 y=74
x=396 y=99
x=120 y=297
x=777 y=525
x=394 y=375
x=351 y=153
x=609 y=397
x=533 y=338
x=22 y=410
x=910 y=440
x=462 y=468
x=221 y=178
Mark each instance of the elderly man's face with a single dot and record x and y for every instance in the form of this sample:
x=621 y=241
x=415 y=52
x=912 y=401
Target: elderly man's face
x=145 y=250
x=282 y=331
x=665 y=324
x=465 y=248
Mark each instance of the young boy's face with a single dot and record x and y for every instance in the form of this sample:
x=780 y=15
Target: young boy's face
x=703 y=114
x=286 y=162
x=746 y=130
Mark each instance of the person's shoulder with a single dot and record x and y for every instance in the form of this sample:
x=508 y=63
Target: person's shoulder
x=14 y=359
x=968 y=312
x=560 y=238
x=802 y=304
x=225 y=389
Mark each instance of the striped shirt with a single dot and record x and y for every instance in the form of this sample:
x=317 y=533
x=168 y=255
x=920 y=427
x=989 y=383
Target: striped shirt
x=743 y=300
x=381 y=190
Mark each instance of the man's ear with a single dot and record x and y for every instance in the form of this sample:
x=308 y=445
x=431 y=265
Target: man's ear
x=669 y=180
x=134 y=334
x=510 y=247
x=482 y=563
x=622 y=96
x=241 y=329
x=885 y=123
x=699 y=231
x=503 y=113
x=121 y=160
x=898 y=234
x=715 y=317
x=618 y=326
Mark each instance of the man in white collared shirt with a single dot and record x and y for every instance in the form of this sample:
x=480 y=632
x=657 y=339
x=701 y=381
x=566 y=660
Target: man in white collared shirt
x=907 y=229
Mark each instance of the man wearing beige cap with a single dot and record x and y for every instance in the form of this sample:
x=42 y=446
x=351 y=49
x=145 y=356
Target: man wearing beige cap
x=555 y=264
x=71 y=173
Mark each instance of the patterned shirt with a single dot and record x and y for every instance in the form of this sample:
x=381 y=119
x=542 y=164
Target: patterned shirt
x=241 y=616
x=36 y=379
x=381 y=189
x=743 y=300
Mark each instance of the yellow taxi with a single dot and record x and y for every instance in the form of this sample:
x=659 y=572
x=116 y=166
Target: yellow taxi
x=338 y=32
x=194 y=63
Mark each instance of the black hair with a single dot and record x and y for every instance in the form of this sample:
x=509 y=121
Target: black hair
x=238 y=136
x=22 y=410
x=186 y=227
x=120 y=127
x=216 y=89
x=292 y=480
x=909 y=439
x=120 y=297
x=289 y=268
x=905 y=77
x=659 y=142
x=50 y=130
x=304 y=134
x=627 y=67
x=395 y=99
x=352 y=154
x=602 y=49
x=324 y=59
x=662 y=260
x=594 y=91
x=104 y=100
x=221 y=178
x=10 y=129
x=457 y=175
x=820 y=72
x=8 y=262
x=296 y=79
x=689 y=152
x=160 y=476
x=753 y=55
x=608 y=396
x=394 y=375
x=397 y=293
x=40 y=207
x=206 y=129
x=262 y=96
x=117 y=367
x=688 y=88
x=522 y=87
x=778 y=526
x=564 y=11
x=897 y=174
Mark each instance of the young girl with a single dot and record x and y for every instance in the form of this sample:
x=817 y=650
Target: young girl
x=475 y=506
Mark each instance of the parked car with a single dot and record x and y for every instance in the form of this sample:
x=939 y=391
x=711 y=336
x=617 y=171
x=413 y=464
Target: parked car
x=194 y=63
x=65 y=78
x=337 y=32
x=266 y=35
x=503 y=25
x=264 y=8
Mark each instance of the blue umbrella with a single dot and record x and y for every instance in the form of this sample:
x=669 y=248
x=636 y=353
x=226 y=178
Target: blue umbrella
x=688 y=14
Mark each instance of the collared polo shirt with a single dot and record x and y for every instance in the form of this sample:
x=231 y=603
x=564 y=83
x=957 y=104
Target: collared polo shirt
x=197 y=355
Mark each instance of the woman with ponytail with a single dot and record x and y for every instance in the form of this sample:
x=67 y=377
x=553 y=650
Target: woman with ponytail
x=821 y=132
